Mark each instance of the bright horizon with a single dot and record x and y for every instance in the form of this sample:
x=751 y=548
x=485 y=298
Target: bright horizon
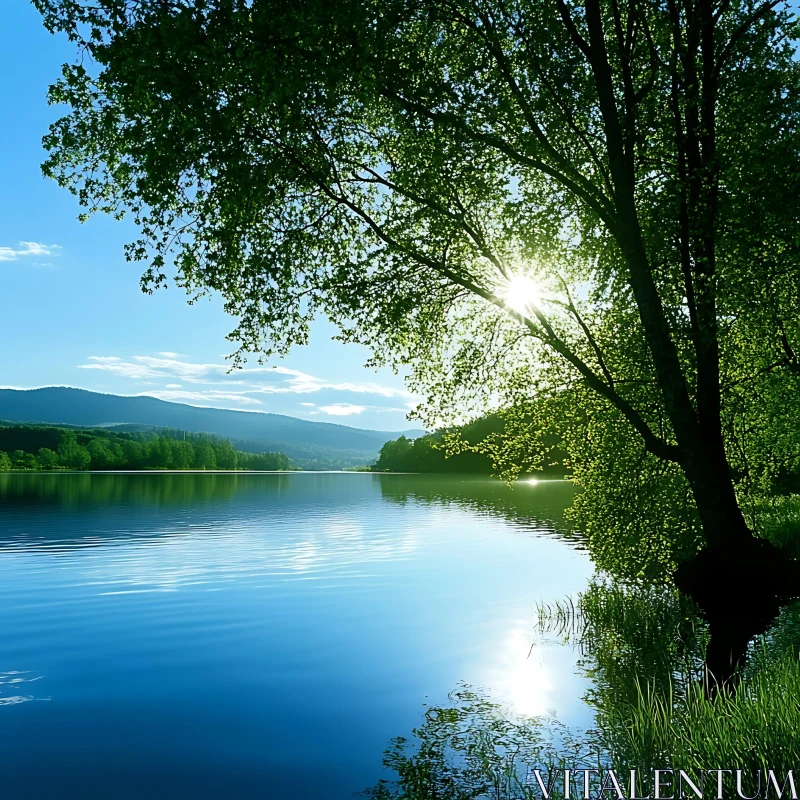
x=79 y=319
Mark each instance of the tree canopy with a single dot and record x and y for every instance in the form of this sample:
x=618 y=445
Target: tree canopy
x=587 y=206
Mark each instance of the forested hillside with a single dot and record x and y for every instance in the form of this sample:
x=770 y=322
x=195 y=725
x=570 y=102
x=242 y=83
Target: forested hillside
x=427 y=453
x=45 y=447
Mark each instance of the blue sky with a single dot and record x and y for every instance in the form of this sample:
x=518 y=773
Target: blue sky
x=72 y=313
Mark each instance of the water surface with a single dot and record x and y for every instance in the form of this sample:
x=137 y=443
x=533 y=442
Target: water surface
x=212 y=635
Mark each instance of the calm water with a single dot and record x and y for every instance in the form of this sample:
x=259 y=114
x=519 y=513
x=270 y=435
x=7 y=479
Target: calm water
x=181 y=635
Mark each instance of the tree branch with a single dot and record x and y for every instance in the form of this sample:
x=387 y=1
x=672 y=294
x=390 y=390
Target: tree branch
x=489 y=35
x=570 y=306
x=741 y=31
x=581 y=188
x=654 y=444
x=573 y=31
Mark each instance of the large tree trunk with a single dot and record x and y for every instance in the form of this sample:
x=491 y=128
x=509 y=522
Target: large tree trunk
x=706 y=467
x=739 y=581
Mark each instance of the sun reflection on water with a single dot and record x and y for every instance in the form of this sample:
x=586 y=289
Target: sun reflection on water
x=524 y=681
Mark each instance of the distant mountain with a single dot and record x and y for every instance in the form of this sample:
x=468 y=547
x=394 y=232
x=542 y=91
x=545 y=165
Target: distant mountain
x=309 y=444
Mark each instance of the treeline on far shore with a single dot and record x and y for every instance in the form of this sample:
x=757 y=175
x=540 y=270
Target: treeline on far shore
x=50 y=447
x=427 y=454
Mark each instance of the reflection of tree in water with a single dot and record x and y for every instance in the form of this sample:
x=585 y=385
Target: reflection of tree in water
x=472 y=749
x=125 y=505
x=157 y=488
x=643 y=649
x=664 y=713
x=536 y=504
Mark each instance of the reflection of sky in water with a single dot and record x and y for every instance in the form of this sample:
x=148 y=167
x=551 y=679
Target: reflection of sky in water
x=243 y=634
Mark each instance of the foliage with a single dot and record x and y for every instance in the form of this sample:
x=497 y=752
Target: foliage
x=617 y=475
x=261 y=461
x=518 y=200
x=423 y=455
x=755 y=728
x=455 y=450
x=474 y=749
x=777 y=518
x=71 y=454
x=108 y=450
x=648 y=631
x=644 y=651
x=47 y=459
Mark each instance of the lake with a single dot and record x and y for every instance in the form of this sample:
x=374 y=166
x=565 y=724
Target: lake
x=266 y=635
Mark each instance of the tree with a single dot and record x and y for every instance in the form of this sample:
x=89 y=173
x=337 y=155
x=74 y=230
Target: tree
x=5 y=462
x=394 y=452
x=47 y=458
x=160 y=453
x=516 y=199
x=71 y=454
x=23 y=460
x=133 y=457
x=468 y=448
x=204 y=455
x=182 y=454
x=262 y=461
x=224 y=455
x=101 y=454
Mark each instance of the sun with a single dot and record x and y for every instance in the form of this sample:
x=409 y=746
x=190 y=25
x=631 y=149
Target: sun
x=522 y=294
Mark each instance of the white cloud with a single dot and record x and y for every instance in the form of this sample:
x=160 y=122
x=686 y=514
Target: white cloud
x=118 y=367
x=168 y=354
x=257 y=380
x=173 y=386
x=310 y=405
x=150 y=367
x=28 y=249
x=342 y=409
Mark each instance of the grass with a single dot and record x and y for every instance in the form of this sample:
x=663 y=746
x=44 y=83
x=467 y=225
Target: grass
x=754 y=728
x=778 y=519
x=644 y=652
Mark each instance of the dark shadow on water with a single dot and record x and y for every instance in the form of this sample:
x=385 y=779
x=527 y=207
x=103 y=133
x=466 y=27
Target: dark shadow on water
x=739 y=592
